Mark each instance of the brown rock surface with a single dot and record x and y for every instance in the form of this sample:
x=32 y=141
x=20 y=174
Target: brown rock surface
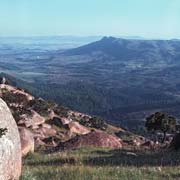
x=32 y=121
x=16 y=91
x=27 y=141
x=10 y=145
x=77 y=128
x=94 y=139
x=46 y=131
x=65 y=120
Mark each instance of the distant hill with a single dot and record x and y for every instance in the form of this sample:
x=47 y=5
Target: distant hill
x=132 y=49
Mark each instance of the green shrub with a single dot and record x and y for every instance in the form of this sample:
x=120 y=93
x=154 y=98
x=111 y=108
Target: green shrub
x=94 y=122
x=61 y=111
x=160 y=121
x=41 y=106
x=10 y=97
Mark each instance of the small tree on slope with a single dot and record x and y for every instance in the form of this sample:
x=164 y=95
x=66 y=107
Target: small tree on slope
x=160 y=121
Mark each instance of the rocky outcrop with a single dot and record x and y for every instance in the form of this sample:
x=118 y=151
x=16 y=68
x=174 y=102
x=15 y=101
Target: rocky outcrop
x=10 y=145
x=94 y=139
x=65 y=120
x=27 y=141
x=52 y=124
x=16 y=91
x=44 y=132
x=76 y=128
x=59 y=122
x=33 y=120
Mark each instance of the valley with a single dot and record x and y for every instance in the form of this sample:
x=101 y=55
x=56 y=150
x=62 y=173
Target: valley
x=121 y=80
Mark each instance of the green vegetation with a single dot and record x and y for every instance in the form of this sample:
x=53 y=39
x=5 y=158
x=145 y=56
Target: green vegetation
x=123 y=104
x=41 y=106
x=105 y=164
x=94 y=122
x=18 y=111
x=61 y=110
x=9 y=98
x=160 y=121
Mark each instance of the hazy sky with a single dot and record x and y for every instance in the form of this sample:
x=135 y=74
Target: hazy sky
x=147 y=18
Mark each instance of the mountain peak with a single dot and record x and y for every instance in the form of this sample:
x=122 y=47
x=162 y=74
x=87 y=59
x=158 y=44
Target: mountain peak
x=108 y=38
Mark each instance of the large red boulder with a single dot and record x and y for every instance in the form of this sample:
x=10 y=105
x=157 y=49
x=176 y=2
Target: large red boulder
x=33 y=120
x=10 y=145
x=27 y=141
x=94 y=139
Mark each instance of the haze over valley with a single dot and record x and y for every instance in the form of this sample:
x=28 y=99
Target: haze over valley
x=120 y=79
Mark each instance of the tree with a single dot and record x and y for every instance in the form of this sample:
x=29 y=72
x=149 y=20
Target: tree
x=160 y=121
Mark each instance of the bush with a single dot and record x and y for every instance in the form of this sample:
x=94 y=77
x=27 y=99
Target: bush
x=18 y=111
x=160 y=121
x=10 y=97
x=94 y=122
x=41 y=106
x=61 y=111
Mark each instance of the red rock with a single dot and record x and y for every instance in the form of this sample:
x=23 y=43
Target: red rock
x=27 y=141
x=48 y=131
x=77 y=128
x=44 y=132
x=38 y=141
x=65 y=120
x=32 y=120
x=51 y=114
x=46 y=126
x=94 y=139
x=16 y=91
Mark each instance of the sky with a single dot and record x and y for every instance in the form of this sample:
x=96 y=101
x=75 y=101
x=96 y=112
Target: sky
x=145 y=18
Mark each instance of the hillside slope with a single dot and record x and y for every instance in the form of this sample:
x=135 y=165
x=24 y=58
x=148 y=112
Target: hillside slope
x=52 y=124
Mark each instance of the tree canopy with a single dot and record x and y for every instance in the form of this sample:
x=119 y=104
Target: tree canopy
x=161 y=121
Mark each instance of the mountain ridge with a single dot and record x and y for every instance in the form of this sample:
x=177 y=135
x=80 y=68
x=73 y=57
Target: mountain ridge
x=127 y=48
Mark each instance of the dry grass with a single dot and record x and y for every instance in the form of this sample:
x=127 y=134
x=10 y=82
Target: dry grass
x=105 y=164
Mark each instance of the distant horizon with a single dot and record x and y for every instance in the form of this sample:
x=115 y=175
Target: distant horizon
x=90 y=36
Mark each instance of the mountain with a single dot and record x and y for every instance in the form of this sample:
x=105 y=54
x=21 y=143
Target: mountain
x=121 y=80
x=124 y=50
x=135 y=77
